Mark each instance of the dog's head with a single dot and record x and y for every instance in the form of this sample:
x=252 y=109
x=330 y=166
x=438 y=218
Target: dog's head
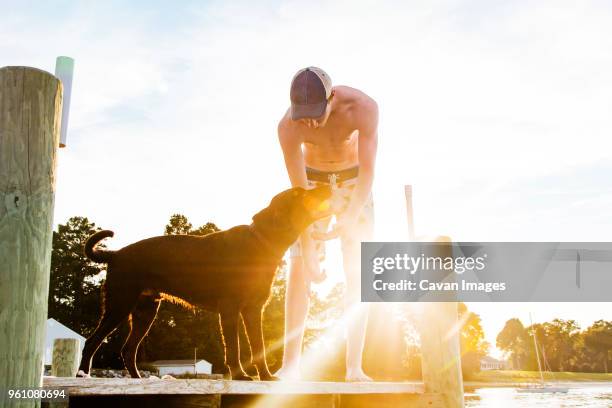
x=292 y=211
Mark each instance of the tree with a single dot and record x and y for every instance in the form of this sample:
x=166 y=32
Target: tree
x=514 y=340
x=74 y=287
x=598 y=337
x=178 y=225
x=472 y=341
x=75 y=280
x=557 y=341
x=563 y=335
x=205 y=229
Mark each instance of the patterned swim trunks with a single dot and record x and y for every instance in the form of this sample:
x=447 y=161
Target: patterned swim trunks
x=343 y=183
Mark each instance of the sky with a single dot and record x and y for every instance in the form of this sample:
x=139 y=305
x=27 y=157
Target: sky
x=497 y=113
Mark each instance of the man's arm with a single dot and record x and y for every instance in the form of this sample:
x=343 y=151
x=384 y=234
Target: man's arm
x=367 y=147
x=291 y=144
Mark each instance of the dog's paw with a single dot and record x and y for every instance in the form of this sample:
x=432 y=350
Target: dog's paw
x=269 y=377
x=167 y=377
x=82 y=374
x=153 y=377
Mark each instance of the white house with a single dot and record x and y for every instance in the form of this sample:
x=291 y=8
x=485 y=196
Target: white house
x=490 y=363
x=178 y=367
x=56 y=330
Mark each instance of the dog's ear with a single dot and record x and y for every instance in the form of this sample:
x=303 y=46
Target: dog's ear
x=276 y=218
x=259 y=218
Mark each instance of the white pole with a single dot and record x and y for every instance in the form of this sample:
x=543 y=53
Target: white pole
x=535 y=343
x=64 y=70
x=409 y=212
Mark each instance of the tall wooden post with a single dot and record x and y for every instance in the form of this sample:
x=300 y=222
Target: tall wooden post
x=439 y=329
x=30 y=112
x=440 y=350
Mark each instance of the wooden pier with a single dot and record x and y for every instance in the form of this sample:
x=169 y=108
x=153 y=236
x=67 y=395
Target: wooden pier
x=131 y=392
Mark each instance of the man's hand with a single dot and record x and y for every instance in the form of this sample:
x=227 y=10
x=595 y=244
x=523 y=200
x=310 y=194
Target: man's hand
x=345 y=225
x=312 y=268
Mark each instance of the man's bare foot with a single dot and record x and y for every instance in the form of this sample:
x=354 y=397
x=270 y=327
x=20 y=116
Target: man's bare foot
x=288 y=374
x=83 y=374
x=357 y=376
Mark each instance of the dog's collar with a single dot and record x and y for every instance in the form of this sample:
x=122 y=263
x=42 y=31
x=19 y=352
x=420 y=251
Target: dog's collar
x=262 y=239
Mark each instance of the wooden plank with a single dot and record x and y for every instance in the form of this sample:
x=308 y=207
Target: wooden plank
x=274 y=400
x=389 y=401
x=147 y=401
x=136 y=386
x=30 y=110
x=260 y=401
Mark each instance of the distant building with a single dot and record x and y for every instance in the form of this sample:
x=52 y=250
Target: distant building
x=178 y=367
x=56 y=330
x=490 y=363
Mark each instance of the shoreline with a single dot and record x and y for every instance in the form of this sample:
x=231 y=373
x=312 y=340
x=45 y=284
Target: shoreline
x=503 y=378
x=484 y=384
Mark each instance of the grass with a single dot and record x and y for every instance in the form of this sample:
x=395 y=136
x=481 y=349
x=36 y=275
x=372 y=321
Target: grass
x=529 y=376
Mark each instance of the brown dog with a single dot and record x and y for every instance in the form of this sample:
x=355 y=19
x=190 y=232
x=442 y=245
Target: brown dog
x=229 y=272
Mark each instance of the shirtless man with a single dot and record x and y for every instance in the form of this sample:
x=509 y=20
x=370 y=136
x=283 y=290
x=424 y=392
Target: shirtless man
x=329 y=135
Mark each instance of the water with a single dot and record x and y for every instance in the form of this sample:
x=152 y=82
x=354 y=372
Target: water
x=579 y=395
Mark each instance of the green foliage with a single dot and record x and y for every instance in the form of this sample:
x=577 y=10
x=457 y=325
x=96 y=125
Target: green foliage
x=561 y=344
x=75 y=280
x=74 y=288
x=598 y=338
x=472 y=341
x=522 y=377
x=514 y=340
x=178 y=225
x=559 y=340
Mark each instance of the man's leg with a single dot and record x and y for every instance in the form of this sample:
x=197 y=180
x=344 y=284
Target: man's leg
x=297 y=300
x=357 y=313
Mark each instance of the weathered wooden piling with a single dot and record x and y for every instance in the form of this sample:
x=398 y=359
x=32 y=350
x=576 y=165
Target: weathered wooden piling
x=30 y=112
x=66 y=357
x=439 y=331
x=440 y=353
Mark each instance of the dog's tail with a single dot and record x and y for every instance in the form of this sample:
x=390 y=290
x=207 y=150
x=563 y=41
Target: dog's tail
x=98 y=255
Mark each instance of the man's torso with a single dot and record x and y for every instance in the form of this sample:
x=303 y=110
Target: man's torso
x=335 y=145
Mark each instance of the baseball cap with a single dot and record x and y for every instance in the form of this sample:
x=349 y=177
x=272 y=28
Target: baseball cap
x=310 y=89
